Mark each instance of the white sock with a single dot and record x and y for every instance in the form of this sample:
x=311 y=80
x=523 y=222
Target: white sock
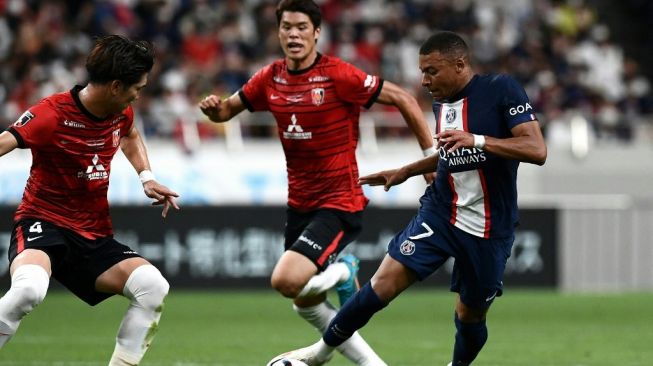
x=334 y=274
x=29 y=284
x=355 y=348
x=146 y=288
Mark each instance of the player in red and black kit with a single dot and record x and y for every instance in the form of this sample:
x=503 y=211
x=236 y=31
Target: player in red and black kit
x=316 y=101
x=62 y=227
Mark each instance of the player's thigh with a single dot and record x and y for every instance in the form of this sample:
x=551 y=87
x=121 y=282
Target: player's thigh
x=422 y=246
x=325 y=233
x=478 y=270
x=32 y=256
x=113 y=279
x=89 y=260
x=293 y=269
x=35 y=241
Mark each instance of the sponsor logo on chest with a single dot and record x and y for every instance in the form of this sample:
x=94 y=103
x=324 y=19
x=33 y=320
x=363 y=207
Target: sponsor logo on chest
x=295 y=131
x=95 y=171
x=452 y=118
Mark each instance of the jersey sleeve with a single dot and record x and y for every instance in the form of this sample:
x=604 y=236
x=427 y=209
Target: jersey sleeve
x=35 y=127
x=355 y=86
x=514 y=103
x=253 y=93
x=129 y=121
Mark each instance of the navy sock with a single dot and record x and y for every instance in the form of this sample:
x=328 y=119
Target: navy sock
x=470 y=338
x=353 y=315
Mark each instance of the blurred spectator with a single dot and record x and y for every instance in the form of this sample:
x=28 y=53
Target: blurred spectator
x=559 y=49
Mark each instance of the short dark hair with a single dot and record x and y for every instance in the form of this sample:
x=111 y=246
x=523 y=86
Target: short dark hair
x=449 y=44
x=308 y=7
x=116 y=57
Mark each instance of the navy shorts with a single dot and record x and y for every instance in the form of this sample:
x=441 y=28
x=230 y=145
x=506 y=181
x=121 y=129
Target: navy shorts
x=321 y=234
x=76 y=261
x=428 y=241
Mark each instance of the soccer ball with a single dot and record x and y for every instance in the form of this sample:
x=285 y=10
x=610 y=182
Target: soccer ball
x=286 y=362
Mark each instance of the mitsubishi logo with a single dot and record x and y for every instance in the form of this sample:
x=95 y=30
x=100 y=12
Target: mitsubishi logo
x=96 y=166
x=295 y=131
x=294 y=126
x=95 y=171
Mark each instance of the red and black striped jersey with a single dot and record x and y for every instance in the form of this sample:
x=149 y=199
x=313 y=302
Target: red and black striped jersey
x=317 y=112
x=72 y=152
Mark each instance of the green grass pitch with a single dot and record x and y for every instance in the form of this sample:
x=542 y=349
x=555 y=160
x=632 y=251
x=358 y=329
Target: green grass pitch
x=535 y=328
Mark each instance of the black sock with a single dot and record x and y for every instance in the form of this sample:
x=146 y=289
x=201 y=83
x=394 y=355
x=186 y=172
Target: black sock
x=352 y=316
x=470 y=338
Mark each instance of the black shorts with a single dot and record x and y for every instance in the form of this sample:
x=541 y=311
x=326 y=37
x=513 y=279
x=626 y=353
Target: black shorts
x=321 y=234
x=76 y=261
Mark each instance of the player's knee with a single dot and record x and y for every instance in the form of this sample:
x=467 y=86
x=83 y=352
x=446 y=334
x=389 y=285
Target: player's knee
x=288 y=287
x=147 y=286
x=27 y=298
x=467 y=314
x=29 y=284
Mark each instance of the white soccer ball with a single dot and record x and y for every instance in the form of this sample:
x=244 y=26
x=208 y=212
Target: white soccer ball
x=286 y=362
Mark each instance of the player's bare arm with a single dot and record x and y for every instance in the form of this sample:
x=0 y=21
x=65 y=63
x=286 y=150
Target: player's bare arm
x=134 y=149
x=7 y=142
x=219 y=110
x=392 y=94
x=393 y=177
x=527 y=143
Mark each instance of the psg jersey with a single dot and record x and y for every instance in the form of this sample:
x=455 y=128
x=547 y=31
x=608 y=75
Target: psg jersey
x=474 y=190
x=317 y=112
x=72 y=152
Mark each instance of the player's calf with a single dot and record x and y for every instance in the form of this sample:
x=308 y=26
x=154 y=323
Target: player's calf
x=29 y=284
x=146 y=288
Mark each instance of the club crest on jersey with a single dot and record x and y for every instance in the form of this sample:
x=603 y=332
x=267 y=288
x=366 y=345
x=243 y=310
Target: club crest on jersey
x=115 y=138
x=407 y=247
x=295 y=131
x=317 y=96
x=450 y=117
x=95 y=171
x=23 y=119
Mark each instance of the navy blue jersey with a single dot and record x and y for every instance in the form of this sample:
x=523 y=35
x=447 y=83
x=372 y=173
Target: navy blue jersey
x=476 y=191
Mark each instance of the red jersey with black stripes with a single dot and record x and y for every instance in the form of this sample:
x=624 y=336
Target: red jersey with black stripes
x=72 y=152
x=317 y=112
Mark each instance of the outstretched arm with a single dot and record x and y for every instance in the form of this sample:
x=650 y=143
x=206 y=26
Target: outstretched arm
x=7 y=143
x=219 y=110
x=134 y=149
x=526 y=143
x=393 y=177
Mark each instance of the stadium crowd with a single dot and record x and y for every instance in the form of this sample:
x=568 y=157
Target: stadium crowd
x=559 y=50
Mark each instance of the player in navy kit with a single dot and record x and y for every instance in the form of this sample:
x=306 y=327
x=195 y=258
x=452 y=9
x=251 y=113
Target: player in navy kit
x=62 y=226
x=316 y=101
x=485 y=126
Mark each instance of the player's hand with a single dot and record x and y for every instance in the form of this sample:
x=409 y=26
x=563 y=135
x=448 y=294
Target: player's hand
x=453 y=140
x=429 y=178
x=211 y=106
x=162 y=196
x=386 y=178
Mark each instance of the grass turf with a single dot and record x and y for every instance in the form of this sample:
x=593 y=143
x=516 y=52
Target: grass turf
x=536 y=328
